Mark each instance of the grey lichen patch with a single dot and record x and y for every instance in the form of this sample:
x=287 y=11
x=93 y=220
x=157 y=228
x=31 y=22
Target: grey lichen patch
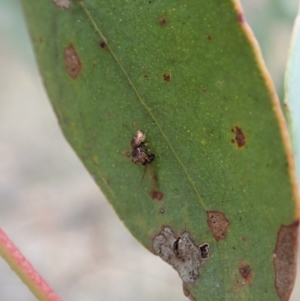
x=62 y=3
x=181 y=253
x=285 y=260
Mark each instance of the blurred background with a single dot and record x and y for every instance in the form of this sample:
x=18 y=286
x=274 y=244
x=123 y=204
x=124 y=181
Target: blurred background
x=50 y=206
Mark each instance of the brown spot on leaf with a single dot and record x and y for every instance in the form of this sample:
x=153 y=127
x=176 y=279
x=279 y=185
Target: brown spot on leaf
x=240 y=17
x=162 y=21
x=246 y=272
x=156 y=195
x=64 y=4
x=285 y=260
x=167 y=77
x=72 y=61
x=102 y=44
x=209 y=37
x=218 y=224
x=239 y=136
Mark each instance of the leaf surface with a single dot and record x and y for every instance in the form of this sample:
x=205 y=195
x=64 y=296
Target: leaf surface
x=190 y=76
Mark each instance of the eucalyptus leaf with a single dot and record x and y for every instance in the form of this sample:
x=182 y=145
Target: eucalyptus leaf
x=218 y=202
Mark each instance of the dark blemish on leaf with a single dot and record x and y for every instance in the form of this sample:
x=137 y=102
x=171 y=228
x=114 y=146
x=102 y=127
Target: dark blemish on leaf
x=162 y=21
x=175 y=247
x=156 y=195
x=218 y=224
x=204 y=251
x=246 y=272
x=145 y=76
x=232 y=130
x=181 y=253
x=244 y=239
x=167 y=77
x=162 y=210
x=72 y=61
x=285 y=260
x=239 y=136
x=64 y=4
x=240 y=17
x=204 y=90
x=102 y=44
x=232 y=141
x=209 y=37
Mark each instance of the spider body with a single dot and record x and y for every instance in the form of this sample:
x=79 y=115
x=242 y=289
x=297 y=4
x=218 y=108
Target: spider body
x=140 y=155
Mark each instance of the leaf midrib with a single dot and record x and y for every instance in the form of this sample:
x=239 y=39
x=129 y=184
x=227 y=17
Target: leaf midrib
x=143 y=102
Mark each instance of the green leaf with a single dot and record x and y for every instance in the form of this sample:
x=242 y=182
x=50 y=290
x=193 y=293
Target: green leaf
x=190 y=76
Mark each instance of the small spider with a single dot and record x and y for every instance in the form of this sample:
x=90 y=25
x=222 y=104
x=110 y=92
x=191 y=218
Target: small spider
x=139 y=154
x=141 y=157
x=138 y=139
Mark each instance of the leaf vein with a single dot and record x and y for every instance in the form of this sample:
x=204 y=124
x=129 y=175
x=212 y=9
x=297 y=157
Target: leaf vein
x=142 y=102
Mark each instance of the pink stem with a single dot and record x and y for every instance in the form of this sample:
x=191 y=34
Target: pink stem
x=30 y=277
